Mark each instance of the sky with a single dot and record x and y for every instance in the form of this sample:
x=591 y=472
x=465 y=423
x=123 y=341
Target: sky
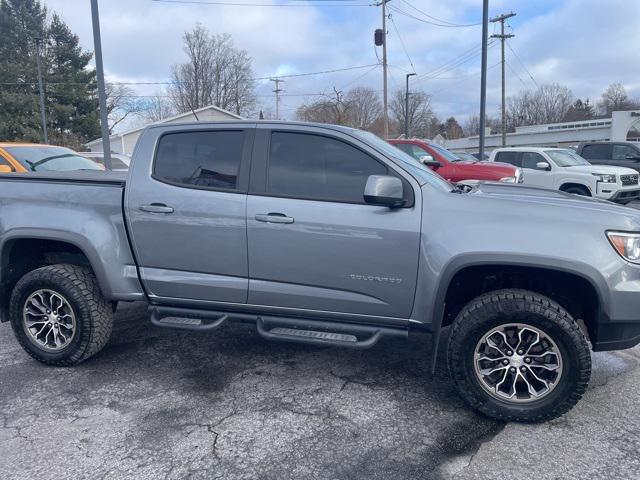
x=583 y=44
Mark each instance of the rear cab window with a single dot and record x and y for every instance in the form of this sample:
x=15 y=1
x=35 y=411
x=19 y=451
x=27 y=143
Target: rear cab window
x=200 y=159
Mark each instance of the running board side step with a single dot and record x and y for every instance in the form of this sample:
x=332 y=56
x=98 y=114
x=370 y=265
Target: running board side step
x=323 y=333
x=186 y=319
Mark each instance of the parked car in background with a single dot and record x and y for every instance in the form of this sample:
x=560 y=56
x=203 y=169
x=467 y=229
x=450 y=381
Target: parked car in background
x=33 y=157
x=451 y=167
x=119 y=161
x=621 y=154
x=565 y=170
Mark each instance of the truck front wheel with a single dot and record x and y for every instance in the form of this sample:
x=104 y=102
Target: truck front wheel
x=59 y=315
x=517 y=355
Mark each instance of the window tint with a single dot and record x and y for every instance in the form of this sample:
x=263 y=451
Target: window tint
x=621 y=152
x=204 y=159
x=312 y=166
x=514 y=158
x=529 y=159
x=602 y=151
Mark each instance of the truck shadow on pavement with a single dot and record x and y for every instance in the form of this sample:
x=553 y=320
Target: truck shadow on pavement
x=227 y=404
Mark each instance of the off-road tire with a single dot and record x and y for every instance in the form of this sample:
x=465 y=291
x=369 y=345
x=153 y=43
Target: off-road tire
x=501 y=307
x=94 y=315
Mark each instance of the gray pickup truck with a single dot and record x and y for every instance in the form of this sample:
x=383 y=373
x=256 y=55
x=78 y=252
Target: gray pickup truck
x=328 y=236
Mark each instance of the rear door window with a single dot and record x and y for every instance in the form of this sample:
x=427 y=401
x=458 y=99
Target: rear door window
x=596 y=151
x=514 y=158
x=206 y=159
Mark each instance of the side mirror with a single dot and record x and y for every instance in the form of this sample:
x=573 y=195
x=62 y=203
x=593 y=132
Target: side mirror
x=543 y=166
x=6 y=169
x=430 y=162
x=384 y=190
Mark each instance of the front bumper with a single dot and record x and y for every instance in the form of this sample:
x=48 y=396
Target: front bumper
x=625 y=196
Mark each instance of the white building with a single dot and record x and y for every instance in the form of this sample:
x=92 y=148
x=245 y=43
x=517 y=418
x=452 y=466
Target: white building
x=125 y=142
x=620 y=127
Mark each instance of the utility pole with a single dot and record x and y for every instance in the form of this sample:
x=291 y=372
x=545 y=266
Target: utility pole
x=384 y=69
x=406 y=107
x=102 y=96
x=503 y=37
x=277 y=91
x=483 y=76
x=43 y=116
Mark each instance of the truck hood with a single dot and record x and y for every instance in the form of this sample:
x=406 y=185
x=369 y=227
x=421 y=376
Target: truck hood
x=497 y=167
x=546 y=198
x=605 y=169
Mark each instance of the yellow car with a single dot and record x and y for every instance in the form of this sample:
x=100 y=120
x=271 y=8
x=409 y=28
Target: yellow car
x=33 y=157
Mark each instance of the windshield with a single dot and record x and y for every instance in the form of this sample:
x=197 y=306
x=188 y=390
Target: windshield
x=44 y=158
x=467 y=157
x=452 y=157
x=408 y=162
x=566 y=158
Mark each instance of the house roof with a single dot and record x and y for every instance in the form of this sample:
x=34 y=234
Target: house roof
x=165 y=120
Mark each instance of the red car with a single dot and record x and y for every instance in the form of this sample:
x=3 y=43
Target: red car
x=453 y=168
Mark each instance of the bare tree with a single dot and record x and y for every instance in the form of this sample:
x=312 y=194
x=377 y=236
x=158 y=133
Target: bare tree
x=121 y=104
x=216 y=73
x=614 y=98
x=331 y=109
x=157 y=108
x=548 y=104
x=363 y=107
x=420 y=113
x=471 y=126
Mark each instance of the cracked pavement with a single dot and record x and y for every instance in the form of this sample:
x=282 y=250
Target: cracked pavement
x=158 y=403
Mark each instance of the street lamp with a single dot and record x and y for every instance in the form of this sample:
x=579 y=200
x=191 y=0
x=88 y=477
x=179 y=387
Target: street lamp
x=406 y=107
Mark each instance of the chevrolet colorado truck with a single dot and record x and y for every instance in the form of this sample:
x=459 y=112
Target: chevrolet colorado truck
x=328 y=236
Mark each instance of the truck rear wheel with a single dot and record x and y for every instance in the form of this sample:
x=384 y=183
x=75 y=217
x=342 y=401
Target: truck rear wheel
x=517 y=355
x=59 y=315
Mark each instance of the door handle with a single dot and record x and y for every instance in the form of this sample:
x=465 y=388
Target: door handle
x=156 y=208
x=274 y=218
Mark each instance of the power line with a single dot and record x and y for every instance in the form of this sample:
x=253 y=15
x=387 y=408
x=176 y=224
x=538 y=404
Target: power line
x=436 y=19
x=395 y=27
x=516 y=74
x=410 y=15
x=503 y=38
x=455 y=62
x=239 y=4
x=292 y=75
x=523 y=66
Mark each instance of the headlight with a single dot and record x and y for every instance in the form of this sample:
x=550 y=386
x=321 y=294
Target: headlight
x=626 y=244
x=508 y=179
x=605 y=177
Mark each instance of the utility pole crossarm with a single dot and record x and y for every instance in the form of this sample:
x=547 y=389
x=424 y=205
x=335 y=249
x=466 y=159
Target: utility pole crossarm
x=277 y=90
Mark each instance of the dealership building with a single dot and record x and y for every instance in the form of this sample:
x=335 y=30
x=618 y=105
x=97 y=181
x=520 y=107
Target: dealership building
x=621 y=126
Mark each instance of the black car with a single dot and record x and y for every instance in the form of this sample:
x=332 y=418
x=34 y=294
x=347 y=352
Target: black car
x=621 y=154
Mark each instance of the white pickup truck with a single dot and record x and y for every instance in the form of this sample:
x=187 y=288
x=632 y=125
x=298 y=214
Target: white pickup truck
x=565 y=170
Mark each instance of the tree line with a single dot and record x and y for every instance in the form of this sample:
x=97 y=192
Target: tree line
x=215 y=72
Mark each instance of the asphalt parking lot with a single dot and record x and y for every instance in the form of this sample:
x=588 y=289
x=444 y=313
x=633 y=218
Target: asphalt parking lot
x=159 y=403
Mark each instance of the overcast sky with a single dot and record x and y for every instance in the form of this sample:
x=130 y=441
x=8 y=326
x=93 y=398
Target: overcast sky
x=583 y=44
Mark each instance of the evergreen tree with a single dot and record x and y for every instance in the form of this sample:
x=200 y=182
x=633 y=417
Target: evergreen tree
x=70 y=88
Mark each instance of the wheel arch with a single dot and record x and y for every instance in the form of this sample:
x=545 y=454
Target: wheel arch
x=460 y=264
x=74 y=248
x=569 y=184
